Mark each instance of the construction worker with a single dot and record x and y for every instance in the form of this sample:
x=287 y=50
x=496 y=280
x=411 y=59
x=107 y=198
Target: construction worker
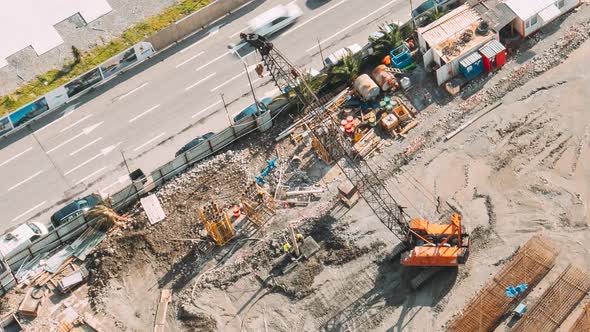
x=299 y=237
x=287 y=247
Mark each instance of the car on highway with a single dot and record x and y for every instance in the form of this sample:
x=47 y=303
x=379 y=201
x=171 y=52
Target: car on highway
x=335 y=57
x=19 y=237
x=271 y=22
x=194 y=143
x=74 y=209
x=250 y=110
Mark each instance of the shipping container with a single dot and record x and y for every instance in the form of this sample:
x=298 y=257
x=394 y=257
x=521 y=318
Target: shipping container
x=471 y=65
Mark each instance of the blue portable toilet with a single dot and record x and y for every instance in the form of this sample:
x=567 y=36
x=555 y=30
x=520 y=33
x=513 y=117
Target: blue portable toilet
x=471 y=65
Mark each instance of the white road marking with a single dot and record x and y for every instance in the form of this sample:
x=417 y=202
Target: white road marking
x=102 y=153
x=16 y=156
x=148 y=142
x=29 y=211
x=119 y=181
x=85 y=146
x=228 y=81
x=189 y=59
x=25 y=181
x=199 y=82
x=75 y=123
x=205 y=109
x=91 y=175
x=210 y=34
x=210 y=62
x=69 y=110
x=250 y=69
x=237 y=33
x=271 y=93
x=144 y=113
x=133 y=91
x=84 y=131
x=353 y=24
x=313 y=18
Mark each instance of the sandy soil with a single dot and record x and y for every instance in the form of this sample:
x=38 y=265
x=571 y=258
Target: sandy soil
x=520 y=170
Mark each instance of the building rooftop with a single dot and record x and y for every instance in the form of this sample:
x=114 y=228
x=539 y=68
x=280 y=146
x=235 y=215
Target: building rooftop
x=450 y=25
x=454 y=34
x=527 y=8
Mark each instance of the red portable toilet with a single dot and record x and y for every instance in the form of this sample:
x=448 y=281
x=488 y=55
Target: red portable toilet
x=494 y=55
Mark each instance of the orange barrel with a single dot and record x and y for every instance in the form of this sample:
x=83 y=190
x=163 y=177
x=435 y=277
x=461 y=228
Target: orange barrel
x=236 y=212
x=349 y=128
x=349 y=119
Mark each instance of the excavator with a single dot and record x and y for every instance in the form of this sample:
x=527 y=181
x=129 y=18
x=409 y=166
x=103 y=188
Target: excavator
x=423 y=244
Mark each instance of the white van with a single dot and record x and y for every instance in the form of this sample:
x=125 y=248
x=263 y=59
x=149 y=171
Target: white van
x=275 y=19
x=20 y=237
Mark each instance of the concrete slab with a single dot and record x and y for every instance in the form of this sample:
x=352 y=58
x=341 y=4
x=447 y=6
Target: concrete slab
x=31 y=22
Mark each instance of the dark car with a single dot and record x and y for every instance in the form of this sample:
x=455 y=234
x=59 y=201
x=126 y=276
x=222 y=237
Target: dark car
x=429 y=4
x=194 y=143
x=74 y=209
x=250 y=110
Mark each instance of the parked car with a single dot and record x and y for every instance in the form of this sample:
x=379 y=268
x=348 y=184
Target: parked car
x=19 y=237
x=250 y=110
x=335 y=57
x=429 y=4
x=271 y=22
x=194 y=143
x=74 y=209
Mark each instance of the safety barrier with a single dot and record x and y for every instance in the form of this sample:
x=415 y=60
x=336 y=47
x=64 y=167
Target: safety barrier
x=119 y=63
x=188 y=25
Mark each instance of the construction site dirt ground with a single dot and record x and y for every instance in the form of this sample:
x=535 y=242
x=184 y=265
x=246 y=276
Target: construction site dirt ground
x=520 y=170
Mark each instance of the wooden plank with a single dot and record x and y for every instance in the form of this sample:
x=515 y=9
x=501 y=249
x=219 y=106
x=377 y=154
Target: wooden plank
x=557 y=302
x=165 y=298
x=583 y=322
x=529 y=265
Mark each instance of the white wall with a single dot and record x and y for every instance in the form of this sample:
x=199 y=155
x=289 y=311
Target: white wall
x=518 y=23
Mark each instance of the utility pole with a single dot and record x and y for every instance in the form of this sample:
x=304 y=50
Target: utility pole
x=225 y=107
x=251 y=88
x=321 y=53
x=412 y=15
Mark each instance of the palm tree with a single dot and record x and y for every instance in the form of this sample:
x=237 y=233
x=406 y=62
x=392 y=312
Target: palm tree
x=392 y=38
x=349 y=68
x=436 y=14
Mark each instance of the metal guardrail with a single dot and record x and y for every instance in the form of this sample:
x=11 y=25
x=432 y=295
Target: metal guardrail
x=131 y=194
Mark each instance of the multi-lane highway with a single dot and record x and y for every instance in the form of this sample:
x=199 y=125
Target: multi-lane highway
x=157 y=108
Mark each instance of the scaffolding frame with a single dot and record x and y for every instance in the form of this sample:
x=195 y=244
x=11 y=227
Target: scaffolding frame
x=557 y=302
x=529 y=265
x=258 y=205
x=217 y=223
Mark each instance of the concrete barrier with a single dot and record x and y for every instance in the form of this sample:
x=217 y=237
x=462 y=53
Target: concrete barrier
x=193 y=22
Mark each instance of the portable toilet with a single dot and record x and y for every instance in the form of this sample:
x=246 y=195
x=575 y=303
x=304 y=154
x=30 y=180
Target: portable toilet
x=471 y=65
x=494 y=55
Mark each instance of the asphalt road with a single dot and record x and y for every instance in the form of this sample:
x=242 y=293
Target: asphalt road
x=161 y=105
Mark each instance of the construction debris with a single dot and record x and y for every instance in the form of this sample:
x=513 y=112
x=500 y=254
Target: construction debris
x=72 y=280
x=165 y=298
x=583 y=322
x=153 y=209
x=529 y=265
x=557 y=302
x=217 y=223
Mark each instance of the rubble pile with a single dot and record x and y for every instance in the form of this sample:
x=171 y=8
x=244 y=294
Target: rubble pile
x=555 y=55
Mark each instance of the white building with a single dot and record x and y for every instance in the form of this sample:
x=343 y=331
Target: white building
x=448 y=40
x=531 y=15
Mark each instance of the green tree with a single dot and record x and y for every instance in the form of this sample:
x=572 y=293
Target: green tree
x=349 y=68
x=392 y=37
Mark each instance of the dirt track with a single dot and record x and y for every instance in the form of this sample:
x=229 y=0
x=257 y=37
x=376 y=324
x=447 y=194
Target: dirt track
x=520 y=170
